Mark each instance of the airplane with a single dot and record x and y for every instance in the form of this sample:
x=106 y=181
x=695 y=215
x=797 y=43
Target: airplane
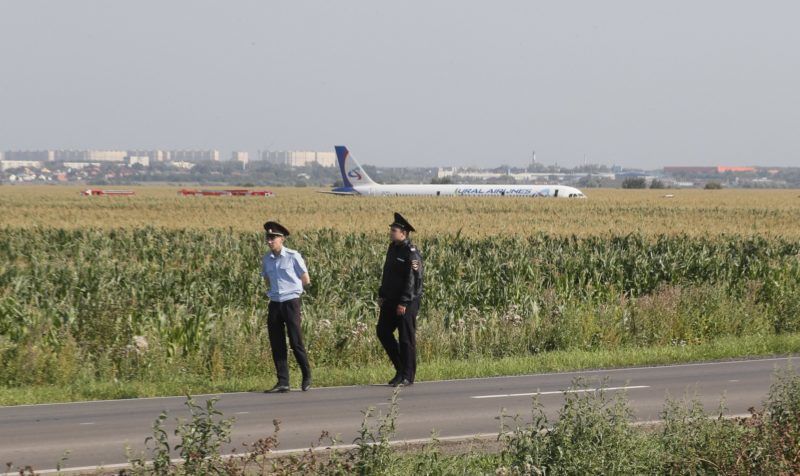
x=357 y=182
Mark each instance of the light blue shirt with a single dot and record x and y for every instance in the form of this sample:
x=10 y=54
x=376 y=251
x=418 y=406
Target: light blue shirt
x=283 y=272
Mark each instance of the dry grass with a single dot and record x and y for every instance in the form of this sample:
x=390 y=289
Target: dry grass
x=691 y=212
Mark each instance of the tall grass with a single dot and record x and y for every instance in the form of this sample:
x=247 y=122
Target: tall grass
x=91 y=305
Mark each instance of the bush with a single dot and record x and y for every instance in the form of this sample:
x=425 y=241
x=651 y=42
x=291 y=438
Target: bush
x=593 y=435
x=713 y=186
x=201 y=438
x=692 y=443
x=634 y=182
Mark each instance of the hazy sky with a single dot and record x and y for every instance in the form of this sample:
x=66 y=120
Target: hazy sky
x=634 y=83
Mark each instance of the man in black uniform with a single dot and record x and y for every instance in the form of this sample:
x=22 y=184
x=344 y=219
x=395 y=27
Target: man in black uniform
x=398 y=298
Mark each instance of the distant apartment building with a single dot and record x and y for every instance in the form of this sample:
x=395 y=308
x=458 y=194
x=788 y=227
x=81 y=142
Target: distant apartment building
x=193 y=155
x=36 y=155
x=71 y=155
x=239 y=156
x=18 y=164
x=107 y=155
x=90 y=155
x=153 y=155
x=299 y=158
x=142 y=160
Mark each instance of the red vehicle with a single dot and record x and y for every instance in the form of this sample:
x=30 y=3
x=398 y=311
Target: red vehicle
x=94 y=191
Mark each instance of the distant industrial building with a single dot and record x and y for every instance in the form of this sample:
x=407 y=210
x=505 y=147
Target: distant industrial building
x=724 y=168
x=718 y=169
x=444 y=172
x=299 y=158
x=633 y=174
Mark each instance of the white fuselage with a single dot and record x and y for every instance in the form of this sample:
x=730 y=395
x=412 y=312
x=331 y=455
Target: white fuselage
x=355 y=181
x=560 y=191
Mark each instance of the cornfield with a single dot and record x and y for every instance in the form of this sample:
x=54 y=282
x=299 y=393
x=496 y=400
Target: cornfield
x=606 y=212
x=143 y=302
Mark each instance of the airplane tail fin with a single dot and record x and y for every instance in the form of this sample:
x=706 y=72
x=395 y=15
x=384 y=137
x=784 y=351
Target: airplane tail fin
x=352 y=173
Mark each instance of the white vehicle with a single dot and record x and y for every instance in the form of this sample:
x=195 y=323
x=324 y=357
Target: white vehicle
x=357 y=182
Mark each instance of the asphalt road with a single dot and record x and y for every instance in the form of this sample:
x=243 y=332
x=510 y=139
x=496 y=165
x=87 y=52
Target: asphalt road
x=96 y=433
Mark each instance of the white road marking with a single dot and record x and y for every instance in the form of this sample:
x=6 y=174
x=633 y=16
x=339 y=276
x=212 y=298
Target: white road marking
x=559 y=392
x=87 y=423
x=733 y=380
x=421 y=383
x=316 y=449
x=242 y=413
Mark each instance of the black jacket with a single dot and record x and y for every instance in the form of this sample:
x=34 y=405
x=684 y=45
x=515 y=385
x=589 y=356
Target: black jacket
x=402 y=274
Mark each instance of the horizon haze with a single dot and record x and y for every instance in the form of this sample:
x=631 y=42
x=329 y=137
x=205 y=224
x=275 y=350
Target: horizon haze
x=414 y=83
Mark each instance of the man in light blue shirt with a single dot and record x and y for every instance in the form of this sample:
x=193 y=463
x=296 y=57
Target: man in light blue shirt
x=286 y=272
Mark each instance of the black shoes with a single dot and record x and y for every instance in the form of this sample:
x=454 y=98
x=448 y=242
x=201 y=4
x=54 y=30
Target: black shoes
x=394 y=381
x=278 y=388
x=400 y=381
x=283 y=388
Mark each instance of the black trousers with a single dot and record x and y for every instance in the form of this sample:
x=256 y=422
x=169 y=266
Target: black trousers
x=402 y=352
x=286 y=315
